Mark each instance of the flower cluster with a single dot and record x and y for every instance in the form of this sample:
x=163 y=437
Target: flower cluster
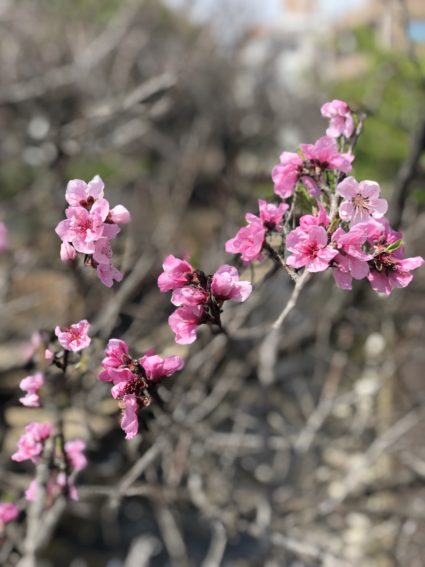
x=249 y=240
x=198 y=297
x=62 y=464
x=388 y=267
x=89 y=227
x=341 y=122
x=135 y=381
x=323 y=220
x=368 y=249
x=310 y=167
x=31 y=385
x=344 y=229
x=42 y=441
x=31 y=443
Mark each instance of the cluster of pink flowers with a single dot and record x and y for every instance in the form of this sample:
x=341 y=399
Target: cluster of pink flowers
x=135 y=381
x=356 y=243
x=249 y=240
x=31 y=443
x=341 y=122
x=31 y=447
x=73 y=338
x=388 y=267
x=198 y=297
x=64 y=458
x=324 y=220
x=368 y=249
x=89 y=227
x=31 y=385
x=310 y=167
x=61 y=482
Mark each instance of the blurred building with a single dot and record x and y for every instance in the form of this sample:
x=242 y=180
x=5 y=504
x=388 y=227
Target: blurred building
x=288 y=47
x=389 y=24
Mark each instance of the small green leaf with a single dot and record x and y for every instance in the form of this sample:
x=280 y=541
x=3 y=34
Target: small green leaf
x=394 y=246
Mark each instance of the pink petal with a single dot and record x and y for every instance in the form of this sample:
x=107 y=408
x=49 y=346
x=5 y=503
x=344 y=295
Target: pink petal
x=348 y=188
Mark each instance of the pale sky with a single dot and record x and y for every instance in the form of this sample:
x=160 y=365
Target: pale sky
x=259 y=11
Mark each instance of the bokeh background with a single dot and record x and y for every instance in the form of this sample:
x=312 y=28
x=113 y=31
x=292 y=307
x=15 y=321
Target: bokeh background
x=183 y=109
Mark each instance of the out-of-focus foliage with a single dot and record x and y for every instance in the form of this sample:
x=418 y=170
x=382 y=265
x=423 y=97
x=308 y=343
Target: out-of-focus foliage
x=392 y=91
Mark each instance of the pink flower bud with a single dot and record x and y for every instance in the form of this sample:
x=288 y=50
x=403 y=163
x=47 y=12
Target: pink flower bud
x=68 y=252
x=226 y=285
x=175 y=274
x=120 y=215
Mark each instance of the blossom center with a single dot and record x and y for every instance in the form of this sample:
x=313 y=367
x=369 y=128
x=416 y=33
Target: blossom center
x=361 y=202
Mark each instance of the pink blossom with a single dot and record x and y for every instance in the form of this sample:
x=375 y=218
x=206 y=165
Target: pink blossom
x=320 y=219
x=119 y=215
x=8 y=512
x=110 y=230
x=89 y=226
x=248 y=242
x=310 y=249
x=316 y=158
x=74 y=337
x=4 y=243
x=176 y=274
x=226 y=285
x=286 y=174
x=133 y=379
x=82 y=228
x=102 y=251
x=116 y=363
x=31 y=443
x=107 y=273
x=31 y=385
x=157 y=367
x=395 y=272
x=341 y=120
x=271 y=215
x=116 y=354
x=184 y=322
x=80 y=193
x=324 y=154
x=189 y=296
x=124 y=381
x=116 y=375
x=389 y=268
x=75 y=453
x=68 y=252
x=129 y=420
x=351 y=261
x=361 y=201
